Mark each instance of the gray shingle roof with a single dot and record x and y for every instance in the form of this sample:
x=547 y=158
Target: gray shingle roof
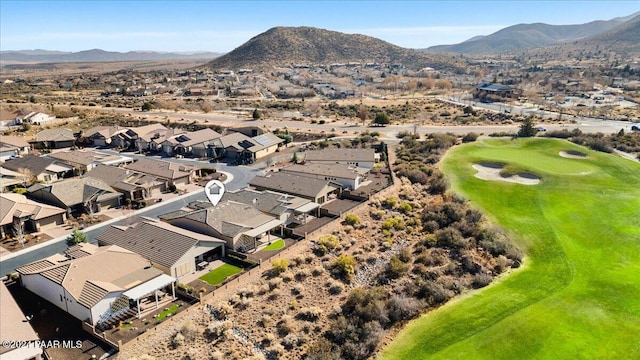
x=36 y=164
x=266 y=201
x=159 y=242
x=291 y=184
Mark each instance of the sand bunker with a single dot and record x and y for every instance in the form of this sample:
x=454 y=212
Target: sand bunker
x=572 y=154
x=488 y=171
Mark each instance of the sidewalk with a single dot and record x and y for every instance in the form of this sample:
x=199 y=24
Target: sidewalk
x=123 y=215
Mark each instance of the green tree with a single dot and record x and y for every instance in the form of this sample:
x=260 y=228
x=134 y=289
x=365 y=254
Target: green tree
x=381 y=119
x=527 y=129
x=351 y=219
x=147 y=106
x=256 y=114
x=76 y=237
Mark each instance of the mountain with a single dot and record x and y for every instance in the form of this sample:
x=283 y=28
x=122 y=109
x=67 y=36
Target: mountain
x=625 y=37
x=95 y=55
x=528 y=36
x=308 y=45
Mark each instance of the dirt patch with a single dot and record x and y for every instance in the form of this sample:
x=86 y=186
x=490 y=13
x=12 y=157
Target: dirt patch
x=573 y=154
x=491 y=171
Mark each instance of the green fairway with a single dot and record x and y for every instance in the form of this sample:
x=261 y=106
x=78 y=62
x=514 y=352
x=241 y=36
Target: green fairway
x=578 y=294
x=217 y=275
x=276 y=245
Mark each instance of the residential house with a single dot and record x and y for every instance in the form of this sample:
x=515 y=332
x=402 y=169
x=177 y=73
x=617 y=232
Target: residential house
x=348 y=176
x=38 y=118
x=11 y=118
x=244 y=149
x=42 y=168
x=54 y=139
x=172 y=249
x=31 y=216
x=159 y=143
x=364 y=158
x=138 y=137
x=490 y=92
x=133 y=185
x=197 y=143
x=287 y=208
x=172 y=173
x=316 y=190
x=15 y=326
x=79 y=195
x=10 y=179
x=241 y=226
x=12 y=146
x=97 y=286
x=102 y=135
x=85 y=160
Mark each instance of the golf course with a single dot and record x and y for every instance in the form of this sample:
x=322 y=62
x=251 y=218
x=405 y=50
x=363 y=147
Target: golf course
x=577 y=293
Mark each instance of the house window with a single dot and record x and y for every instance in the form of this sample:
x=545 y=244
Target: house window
x=60 y=297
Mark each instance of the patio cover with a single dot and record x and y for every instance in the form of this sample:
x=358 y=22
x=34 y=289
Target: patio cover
x=263 y=228
x=150 y=286
x=307 y=207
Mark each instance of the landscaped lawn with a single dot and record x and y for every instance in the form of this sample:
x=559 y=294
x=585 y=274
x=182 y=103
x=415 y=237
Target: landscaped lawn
x=276 y=245
x=578 y=293
x=217 y=275
x=171 y=310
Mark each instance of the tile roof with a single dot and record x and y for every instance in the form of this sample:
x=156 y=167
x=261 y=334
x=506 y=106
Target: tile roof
x=292 y=184
x=162 y=169
x=13 y=141
x=87 y=278
x=160 y=242
x=77 y=191
x=15 y=204
x=55 y=135
x=196 y=137
x=343 y=154
x=82 y=157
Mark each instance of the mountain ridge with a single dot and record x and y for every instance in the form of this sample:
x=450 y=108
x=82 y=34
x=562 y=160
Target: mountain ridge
x=95 y=55
x=529 y=36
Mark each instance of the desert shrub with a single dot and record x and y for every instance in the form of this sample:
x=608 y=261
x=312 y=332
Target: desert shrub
x=275 y=283
x=178 y=340
x=297 y=289
x=406 y=208
x=312 y=313
x=469 y=137
x=286 y=325
x=327 y=243
x=396 y=267
x=390 y=202
x=189 y=330
x=344 y=266
x=280 y=265
x=287 y=276
x=224 y=310
x=393 y=223
x=377 y=214
x=336 y=288
x=292 y=340
x=402 y=308
x=317 y=271
x=351 y=219
x=481 y=280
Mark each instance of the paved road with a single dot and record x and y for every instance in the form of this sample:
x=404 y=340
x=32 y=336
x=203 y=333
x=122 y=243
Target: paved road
x=241 y=177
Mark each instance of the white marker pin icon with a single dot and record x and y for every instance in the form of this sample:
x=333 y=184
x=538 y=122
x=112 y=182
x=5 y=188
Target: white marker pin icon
x=214 y=190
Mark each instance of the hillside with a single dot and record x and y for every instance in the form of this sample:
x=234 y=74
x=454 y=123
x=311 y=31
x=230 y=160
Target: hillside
x=308 y=45
x=94 y=55
x=528 y=36
x=625 y=37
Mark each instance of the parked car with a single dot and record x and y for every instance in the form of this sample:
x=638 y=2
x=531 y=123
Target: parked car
x=635 y=127
x=540 y=128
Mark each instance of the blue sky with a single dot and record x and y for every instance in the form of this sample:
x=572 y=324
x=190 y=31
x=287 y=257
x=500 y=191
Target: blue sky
x=222 y=26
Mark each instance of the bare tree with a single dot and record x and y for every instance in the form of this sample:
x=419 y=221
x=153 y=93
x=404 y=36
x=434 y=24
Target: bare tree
x=28 y=177
x=18 y=230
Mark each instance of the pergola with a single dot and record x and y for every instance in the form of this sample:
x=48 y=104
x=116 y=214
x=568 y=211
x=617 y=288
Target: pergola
x=149 y=287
